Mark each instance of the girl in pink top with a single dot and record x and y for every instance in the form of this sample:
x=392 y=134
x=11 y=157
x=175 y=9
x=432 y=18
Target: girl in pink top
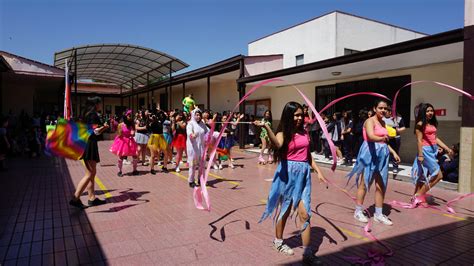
x=372 y=164
x=426 y=172
x=291 y=187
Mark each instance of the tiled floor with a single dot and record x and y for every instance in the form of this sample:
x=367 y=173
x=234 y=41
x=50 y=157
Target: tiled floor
x=151 y=219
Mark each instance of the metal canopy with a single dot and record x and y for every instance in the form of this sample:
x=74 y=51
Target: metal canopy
x=125 y=65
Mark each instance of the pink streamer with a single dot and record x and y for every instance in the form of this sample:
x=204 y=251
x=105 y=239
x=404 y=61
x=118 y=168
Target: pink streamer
x=352 y=95
x=448 y=205
x=419 y=201
x=321 y=122
x=394 y=104
x=323 y=127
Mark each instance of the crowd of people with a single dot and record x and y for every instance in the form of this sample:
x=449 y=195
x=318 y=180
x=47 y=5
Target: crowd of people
x=158 y=137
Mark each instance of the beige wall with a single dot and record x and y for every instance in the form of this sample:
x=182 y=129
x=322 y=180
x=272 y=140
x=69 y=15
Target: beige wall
x=224 y=94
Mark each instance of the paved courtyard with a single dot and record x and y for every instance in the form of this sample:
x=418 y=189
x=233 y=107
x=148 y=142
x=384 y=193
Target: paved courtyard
x=151 y=219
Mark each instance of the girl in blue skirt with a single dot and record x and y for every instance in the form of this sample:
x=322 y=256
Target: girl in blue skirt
x=291 y=187
x=372 y=164
x=426 y=172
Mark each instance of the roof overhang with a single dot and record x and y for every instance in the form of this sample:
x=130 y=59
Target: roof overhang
x=23 y=66
x=220 y=68
x=124 y=65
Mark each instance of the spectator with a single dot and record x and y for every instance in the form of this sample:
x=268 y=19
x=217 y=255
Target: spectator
x=450 y=166
x=394 y=141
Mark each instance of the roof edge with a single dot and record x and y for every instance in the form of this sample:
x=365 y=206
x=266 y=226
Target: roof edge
x=439 y=39
x=209 y=70
x=19 y=56
x=340 y=12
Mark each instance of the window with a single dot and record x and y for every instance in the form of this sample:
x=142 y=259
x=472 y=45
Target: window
x=300 y=59
x=350 y=51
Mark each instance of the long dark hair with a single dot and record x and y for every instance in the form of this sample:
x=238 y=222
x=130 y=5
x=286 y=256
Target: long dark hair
x=129 y=123
x=271 y=117
x=421 y=116
x=287 y=127
x=90 y=105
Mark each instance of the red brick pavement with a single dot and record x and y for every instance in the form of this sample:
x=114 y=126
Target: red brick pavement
x=151 y=219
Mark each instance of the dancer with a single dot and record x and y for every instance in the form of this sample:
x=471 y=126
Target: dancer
x=156 y=142
x=227 y=142
x=124 y=144
x=212 y=139
x=168 y=152
x=90 y=156
x=141 y=136
x=188 y=103
x=195 y=144
x=426 y=171
x=291 y=187
x=179 y=139
x=266 y=144
x=372 y=164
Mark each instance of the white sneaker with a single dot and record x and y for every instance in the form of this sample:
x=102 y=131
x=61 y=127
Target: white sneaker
x=177 y=170
x=360 y=216
x=283 y=248
x=220 y=166
x=232 y=165
x=380 y=218
x=215 y=167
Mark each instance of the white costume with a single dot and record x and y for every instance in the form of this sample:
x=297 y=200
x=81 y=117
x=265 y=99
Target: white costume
x=195 y=145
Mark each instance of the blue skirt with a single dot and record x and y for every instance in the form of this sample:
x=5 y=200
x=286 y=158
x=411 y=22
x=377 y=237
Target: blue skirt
x=168 y=138
x=373 y=158
x=291 y=184
x=226 y=142
x=424 y=172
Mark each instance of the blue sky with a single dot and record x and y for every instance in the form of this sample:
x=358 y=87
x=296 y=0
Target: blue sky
x=199 y=32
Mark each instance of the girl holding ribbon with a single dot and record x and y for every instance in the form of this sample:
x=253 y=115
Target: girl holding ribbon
x=267 y=119
x=291 y=187
x=179 y=139
x=372 y=163
x=426 y=171
x=141 y=136
x=196 y=145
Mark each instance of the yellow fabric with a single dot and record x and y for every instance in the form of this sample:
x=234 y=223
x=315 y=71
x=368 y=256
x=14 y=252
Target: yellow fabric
x=157 y=142
x=391 y=131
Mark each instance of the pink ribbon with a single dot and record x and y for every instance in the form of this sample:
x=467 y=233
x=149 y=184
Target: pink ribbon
x=448 y=205
x=394 y=104
x=352 y=95
x=321 y=122
x=420 y=201
x=323 y=127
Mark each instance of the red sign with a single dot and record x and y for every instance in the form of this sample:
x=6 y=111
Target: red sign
x=440 y=112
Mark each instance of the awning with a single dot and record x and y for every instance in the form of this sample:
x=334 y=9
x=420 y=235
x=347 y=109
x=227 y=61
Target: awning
x=124 y=65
